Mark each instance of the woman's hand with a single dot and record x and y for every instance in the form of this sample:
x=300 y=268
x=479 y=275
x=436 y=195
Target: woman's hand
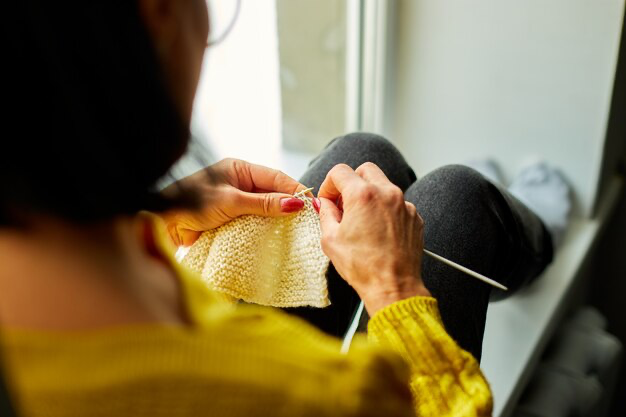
x=376 y=241
x=229 y=189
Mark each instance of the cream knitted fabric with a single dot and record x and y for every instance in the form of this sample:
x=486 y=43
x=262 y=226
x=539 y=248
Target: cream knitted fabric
x=270 y=261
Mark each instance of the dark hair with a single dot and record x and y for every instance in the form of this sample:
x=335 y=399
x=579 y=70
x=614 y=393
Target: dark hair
x=90 y=125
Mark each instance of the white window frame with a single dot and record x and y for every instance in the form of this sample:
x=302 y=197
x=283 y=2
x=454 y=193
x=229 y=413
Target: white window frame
x=368 y=62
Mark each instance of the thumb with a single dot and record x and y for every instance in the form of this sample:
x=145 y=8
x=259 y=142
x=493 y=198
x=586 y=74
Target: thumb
x=330 y=216
x=267 y=204
x=180 y=236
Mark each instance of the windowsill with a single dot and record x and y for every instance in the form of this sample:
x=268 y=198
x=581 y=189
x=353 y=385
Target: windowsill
x=519 y=328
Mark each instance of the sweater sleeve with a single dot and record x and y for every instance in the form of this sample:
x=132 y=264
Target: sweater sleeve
x=444 y=379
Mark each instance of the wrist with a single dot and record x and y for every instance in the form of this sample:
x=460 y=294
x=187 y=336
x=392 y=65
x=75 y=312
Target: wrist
x=376 y=298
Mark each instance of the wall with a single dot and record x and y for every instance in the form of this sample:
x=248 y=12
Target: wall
x=512 y=80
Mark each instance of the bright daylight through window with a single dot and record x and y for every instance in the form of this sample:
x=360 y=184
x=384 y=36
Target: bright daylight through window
x=283 y=66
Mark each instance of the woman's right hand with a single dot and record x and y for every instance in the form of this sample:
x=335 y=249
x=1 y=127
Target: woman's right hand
x=373 y=237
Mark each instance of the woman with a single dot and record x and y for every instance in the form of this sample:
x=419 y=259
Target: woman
x=98 y=319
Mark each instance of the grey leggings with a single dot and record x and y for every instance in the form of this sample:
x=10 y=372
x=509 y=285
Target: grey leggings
x=466 y=219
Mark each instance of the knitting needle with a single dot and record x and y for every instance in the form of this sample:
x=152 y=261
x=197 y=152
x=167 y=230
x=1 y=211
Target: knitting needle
x=347 y=340
x=466 y=270
x=442 y=259
x=303 y=192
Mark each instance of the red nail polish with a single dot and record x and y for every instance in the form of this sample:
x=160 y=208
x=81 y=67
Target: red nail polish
x=317 y=204
x=290 y=205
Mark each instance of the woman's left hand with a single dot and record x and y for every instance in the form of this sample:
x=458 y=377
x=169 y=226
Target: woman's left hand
x=229 y=189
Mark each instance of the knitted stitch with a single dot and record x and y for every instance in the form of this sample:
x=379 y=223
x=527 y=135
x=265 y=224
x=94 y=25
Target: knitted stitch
x=263 y=260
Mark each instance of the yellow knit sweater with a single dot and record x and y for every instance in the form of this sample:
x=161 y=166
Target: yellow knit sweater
x=242 y=360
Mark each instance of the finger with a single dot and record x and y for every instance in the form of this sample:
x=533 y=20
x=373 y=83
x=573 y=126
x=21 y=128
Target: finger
x=411 y=208
x=266 y=204
x=370 y=172
x=330 y=217
x=264 y=178
x=173 y=234
x=419 y=222
x=316 y=204
x=339 y=179
x=181 y=236
x=188 y=237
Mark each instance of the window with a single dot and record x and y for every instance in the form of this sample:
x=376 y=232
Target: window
x=274 y=91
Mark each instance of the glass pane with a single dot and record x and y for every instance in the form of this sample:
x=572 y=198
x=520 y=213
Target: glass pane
x=312 y=50
x=273 y=91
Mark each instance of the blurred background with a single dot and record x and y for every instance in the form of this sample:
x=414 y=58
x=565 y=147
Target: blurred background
x=450 y=81
x=447 y=82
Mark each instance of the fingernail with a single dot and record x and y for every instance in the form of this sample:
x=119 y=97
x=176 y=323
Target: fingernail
x=316 y=203
x=290 y=205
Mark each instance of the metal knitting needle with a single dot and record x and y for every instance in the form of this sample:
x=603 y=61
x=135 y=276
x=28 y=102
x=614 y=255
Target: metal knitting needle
x=466 y=270
x=442 y=259
x=303 y=192
x=347 y=340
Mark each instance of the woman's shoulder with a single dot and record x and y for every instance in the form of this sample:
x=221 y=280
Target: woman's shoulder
x=229 y=360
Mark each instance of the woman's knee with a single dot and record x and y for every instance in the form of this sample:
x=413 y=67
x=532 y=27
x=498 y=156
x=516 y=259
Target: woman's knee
x=363 y=142
x=354 y=149
x=457 y=182
x=455 y=200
